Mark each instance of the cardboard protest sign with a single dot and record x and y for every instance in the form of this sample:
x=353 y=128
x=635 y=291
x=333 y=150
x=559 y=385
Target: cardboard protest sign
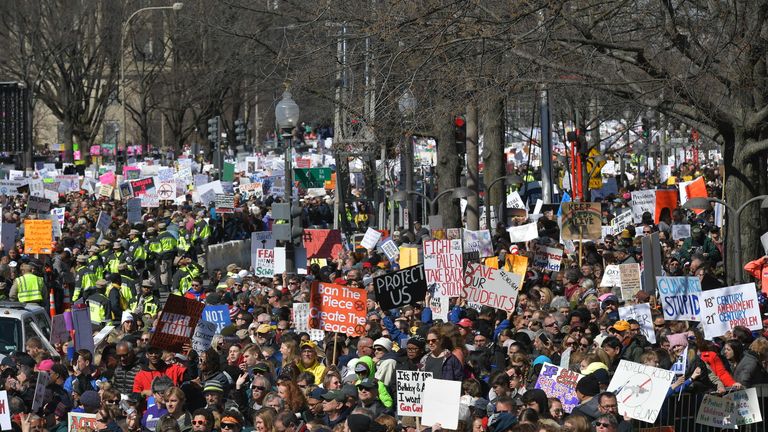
x=559 y=383
x=5 y=411
x=176 y=323
x=746 y=409
x=642 y=314
x=390 y=249
x=716 y=411
x=443 y=266
x=611 y=276
x=547 y=258
x=217 y=314
x=630 y=280
x=410 y=389
x=439 y=394
x=38 y=205
x=643 y=201
x=80 y=422
x=640 y=389
x=400 y=288
x=143 y=186
x=264 y=263
x=322 y=243
x=523 y=233
x=338 y=308
x=81 y=323
x=664 y=199
x=42 y=382
x=203 y=336
x=681 y=231
x=725 y=308
x=409 y=256
x=478 y=241
x=370 y=239
x=581 y=220
x=491 y=287
x=38 y=236
x=680 y=297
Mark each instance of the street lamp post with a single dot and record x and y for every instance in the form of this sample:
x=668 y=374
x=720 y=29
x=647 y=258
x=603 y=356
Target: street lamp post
x=407 y=106
x=287 y=117
x=458 y=192
x=123 y=33
x=702 y=203
x=513 y=179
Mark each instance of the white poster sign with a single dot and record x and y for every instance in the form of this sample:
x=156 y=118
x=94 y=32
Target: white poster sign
x=680 y=297
x=611 y=276
x=681 y=231
x=264 y=263
x=514 y=201
x=443 y=267
x=203 y=336
x=438 y=395
x=523 y=233
x=640 y=389
x=642 y=314
x=643 y=201
x=370 y=239
x=491 y=287
x=547 y=258
x=410 y=389
x=725 y=308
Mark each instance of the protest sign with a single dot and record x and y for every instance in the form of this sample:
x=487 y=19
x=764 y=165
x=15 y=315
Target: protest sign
x=217 y=314
x=80 y=422
x=681 y=231
x=514 y=201
x=680 y=297
x=133 y=207
x=621 y=221
x=389 y=247
x=558 y=382
x=370 y=239
x=410 y=389
x=725 y=308
x=5 y=411
x=443 y=266
x=581 y=220
x=746 y=409
x=547 y=258
x=643 y=201
x=38 y=205
x=59 y=213
x=491 y=287
x=630 y=280
x=679 y=366
x=264 y=263
x=322 y=243
x=611 y=276
x=99 y=337
x=409 y=256
x=439 y=394
x=716 y=411
x=664 y=199
x=8 y=235
x=106 y=191
x=150 y=200
x=401 y=288
x=42 y=382
x=38 y=236
x=81 y=323
x=640 y=389
x=642 y=314
x=478 y=241
x=301 y=322
x=516 y=263
x=143 y=186
x=225 y=203
x=338 y=308
x=523 y=233
x=103 y=222
x=176 y=323
x=203 y=336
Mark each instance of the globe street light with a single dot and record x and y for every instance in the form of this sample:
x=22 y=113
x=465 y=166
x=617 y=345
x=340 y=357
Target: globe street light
x=407 y=106
x=175 y=7
x=287 y=117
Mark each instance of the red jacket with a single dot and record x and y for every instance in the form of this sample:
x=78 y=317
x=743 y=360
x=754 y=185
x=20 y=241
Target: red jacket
x=759 y=270
x=143 y=380
x=716 y=365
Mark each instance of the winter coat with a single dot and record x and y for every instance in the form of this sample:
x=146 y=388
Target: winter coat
x=716 y=365
x=384 y=395
x=750 y=371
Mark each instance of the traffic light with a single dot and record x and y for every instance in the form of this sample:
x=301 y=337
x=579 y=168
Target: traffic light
x=297 y=230
x=287 y=225
x=646 y=127
x=213 y=129
x=460 y=133
x=240 y=132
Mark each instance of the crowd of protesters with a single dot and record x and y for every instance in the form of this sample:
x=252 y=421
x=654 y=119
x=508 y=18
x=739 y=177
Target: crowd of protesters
x=261 y=374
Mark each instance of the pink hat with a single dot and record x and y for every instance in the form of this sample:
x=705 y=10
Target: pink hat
x=678 y=339
x=45 y=365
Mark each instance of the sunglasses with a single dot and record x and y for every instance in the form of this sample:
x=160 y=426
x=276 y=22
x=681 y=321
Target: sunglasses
x=260 y=388
x=601 y=424
x=199 y=422
x=112 y=401
x=550 y=325
x=145 y=339
x=431 y=341
x=228 y=426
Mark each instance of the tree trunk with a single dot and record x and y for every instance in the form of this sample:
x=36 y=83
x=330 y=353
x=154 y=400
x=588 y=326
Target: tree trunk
x=473 y=166
x=448 y=171
x=494 y=162
x=68 y=132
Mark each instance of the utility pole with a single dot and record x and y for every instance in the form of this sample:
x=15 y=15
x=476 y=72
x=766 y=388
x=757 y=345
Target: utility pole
x=546 y=148
x=473 y=168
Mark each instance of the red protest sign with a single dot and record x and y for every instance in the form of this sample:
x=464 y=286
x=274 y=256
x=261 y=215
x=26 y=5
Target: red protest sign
x=337 y=308
x=665 y=199
x=143 y=186
x=176 y=323
x=322 y=243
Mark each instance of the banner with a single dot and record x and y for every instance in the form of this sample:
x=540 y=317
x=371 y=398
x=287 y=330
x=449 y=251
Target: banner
x=203 y=336
x=219 y=315
x=491 y=287
x=38 y=236
x=400 y=288
x=410 y=389
x=725 y=308
x=640 y=389
x=642 y=314
x=581 y=220
x=322 y=243
x=547 y=258
x=443 y=266
x=643 y=201
x=176 y=323
x=559 y=383
x=337 y=308
x=478 y=241
x=264 y=263
x=680 y=297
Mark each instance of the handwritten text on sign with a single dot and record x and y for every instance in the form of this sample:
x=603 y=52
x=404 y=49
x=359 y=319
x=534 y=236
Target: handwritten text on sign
x=264 y=264
x=443 y=266
x=559 y=383
x=680 y=298
x=337 y=308
x=410 y=388
x=491 y=287
x=401 y=288
x=726 y=308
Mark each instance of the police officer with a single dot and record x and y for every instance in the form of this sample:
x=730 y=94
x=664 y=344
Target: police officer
x=85 y=277
x=167 y=252
x=95 y=263
x=114 y=258
x=182 y=279
x=200 y=238
x=137 y=252
x=29 y=288
x=98 y=304
x=146 y=302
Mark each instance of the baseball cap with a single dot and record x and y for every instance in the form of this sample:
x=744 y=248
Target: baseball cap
x=621 y=326
x=465 y=322
x=368 y=383
x=336 y=395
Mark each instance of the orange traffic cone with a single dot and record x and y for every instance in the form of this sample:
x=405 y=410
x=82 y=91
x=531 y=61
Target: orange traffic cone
x=52 y=304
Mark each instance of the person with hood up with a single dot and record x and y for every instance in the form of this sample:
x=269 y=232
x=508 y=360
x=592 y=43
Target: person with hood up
x=386 y=361
x=586 y=390
x=366 y=369
x=309 y=362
